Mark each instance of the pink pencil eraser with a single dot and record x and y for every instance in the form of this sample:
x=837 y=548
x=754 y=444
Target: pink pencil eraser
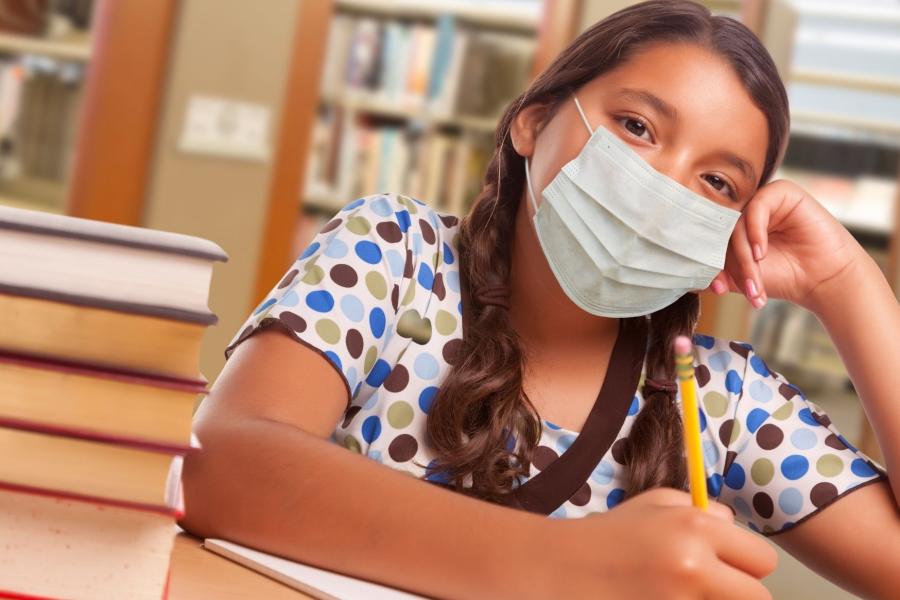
x=683 y=344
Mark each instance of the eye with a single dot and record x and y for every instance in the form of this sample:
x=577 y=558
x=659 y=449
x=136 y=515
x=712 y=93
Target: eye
x=636 y=127
x=721 y=185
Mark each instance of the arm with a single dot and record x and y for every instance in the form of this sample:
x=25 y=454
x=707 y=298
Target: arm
x=266 y=478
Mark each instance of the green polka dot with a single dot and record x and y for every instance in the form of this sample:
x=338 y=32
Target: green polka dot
x=400 y=414
x=351 y=443
x=830 y=465
x=410 y=294
x=328 y=330
x=445 y=322
x=359 y=225
x=314 y=275
x=715 y=403
x=376 y=284
x=409 y=204
x=768 y=529
x=735 y=432
x=784 y=411
x=369 y=362
x=762 y=471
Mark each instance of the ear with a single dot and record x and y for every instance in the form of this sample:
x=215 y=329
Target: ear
x=525 y=127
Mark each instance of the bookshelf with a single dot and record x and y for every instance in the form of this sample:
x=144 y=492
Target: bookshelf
x=45 y=50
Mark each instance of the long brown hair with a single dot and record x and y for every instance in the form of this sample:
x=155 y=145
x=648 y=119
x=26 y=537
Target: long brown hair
x=481 y=402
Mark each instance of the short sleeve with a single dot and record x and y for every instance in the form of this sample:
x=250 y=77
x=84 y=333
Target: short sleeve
x=785 y=460
x=340 y=296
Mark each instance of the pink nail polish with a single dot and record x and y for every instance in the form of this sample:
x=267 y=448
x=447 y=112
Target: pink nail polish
x=751 y=289
x=758 y=302
x=757 y=252
x=718 y=287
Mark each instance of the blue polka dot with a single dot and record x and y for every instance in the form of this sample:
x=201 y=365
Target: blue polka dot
x=759 y=391
x=448 y=254
x=380 y=370
x=354 y=204
x=353 y=308
x=451 y=278
x=320 y=301
x=702 y=420
x=733 y=382
x=403 y=220
x=744 y=345
x=603 y=473
x=417 y=243
x=368 y=251
x=395 y=261
x=806 y=416
x=714 y=485
x=720 y=360
x=377 y=321
x=803 y=438
x=426 y=398
x=790 y=500
x=336 y=248
x=426 y=277
x=432 y=474
x=459 y=307
x=426 y=366
x=356 y=390
x=759 y=365
x=559 y=513
x=614 y=497
x=704 y=340
x=633 y=409
x=756 y=418
x=861 y=468
x=710 y=453
x=564 y=441
x=753 y=526
x=374 y=455
x=371 y=401
x=551 y=425
x=740 y=506
x=351 y=377
x=334 y=358
x=794 y=466
x=381 y=207
x=735 y=477
x=264 y=305
x=371 y=429
x=309 y=250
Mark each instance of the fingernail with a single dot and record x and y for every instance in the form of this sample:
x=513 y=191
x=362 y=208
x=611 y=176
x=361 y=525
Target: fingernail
x=718 y=287
x=757 y=252
x=758 y=302
x=751 y=289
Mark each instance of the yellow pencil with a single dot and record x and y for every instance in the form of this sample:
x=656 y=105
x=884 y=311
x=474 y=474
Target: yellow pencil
x=684 y=366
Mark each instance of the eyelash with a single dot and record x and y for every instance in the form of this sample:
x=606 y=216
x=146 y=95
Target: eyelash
x=731 y=193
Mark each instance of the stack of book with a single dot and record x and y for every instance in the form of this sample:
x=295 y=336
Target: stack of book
x=100 y=333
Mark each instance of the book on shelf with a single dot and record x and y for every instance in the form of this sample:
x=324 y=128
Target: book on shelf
x=99 y=349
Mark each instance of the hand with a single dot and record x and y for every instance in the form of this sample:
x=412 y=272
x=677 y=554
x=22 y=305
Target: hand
x=657 y=545
x=787 y=244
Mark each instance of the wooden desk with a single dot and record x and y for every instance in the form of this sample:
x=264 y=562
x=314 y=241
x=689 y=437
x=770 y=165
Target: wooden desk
x=198 y=574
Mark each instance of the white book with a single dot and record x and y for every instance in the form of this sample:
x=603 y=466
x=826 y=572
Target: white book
x=316 y=582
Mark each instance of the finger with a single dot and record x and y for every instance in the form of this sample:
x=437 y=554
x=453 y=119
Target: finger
x=740 y=264
x=722 y=511
x=744 y=550
x=757 y=217
x=728 y=582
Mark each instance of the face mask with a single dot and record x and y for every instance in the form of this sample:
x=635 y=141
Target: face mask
x=623 y=239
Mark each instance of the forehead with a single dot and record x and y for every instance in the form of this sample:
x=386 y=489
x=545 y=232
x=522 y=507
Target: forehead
x=714 y=110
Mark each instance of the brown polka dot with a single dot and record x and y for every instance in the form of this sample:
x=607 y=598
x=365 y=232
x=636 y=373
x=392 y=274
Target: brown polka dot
x=620 y=451
x=822 y=493
x=390 y=231
x=739 y=349
x=403 y=447
x=762 y=504
x=348 y=416
x=451 y=351
x=729 y=458
x=438 y=286
x=725 y=431
x=582 y=496
x=769 y=436
x=330 y=225
x=786 y=391
x=823 y=419
x=427 y=231
x=409 y=267
x=834 y=442
x=344 y=275
x=449 y=220
x=292 y=320
x=543 y=456
x=395 y=296
x=354 y=342
x=397 y=380
x=288 y=278
x=702 y=375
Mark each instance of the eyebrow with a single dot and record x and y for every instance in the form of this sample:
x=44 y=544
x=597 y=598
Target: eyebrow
x=745 y=167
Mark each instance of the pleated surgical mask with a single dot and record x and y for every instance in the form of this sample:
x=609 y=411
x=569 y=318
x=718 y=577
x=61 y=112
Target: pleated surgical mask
x=623 y=239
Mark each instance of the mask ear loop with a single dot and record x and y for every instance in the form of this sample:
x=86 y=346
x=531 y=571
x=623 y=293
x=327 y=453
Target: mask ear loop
x=583 y=117
x=530 y=188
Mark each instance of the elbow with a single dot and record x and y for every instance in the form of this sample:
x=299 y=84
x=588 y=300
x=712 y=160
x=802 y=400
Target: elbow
x=202 y=482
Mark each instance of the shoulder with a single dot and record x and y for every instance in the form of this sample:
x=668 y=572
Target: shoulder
x=394 y=217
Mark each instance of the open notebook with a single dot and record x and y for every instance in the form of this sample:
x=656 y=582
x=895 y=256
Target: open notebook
x=318 y=583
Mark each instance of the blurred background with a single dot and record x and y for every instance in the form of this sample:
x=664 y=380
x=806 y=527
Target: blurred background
x=251 y=123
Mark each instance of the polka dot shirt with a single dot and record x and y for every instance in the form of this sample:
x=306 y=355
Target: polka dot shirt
x=377 y=294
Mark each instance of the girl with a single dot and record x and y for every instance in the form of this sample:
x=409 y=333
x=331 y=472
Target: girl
x=517 y=364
